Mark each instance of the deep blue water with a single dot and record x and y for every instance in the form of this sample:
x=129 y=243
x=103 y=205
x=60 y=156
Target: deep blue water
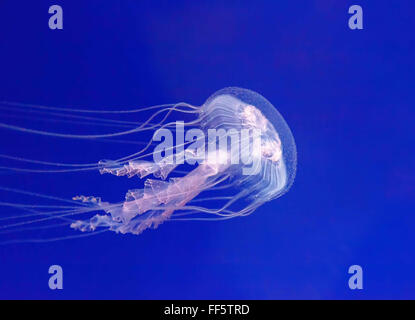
x=347 y=96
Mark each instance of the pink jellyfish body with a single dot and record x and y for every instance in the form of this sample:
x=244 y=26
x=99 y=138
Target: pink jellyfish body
x=235 y=155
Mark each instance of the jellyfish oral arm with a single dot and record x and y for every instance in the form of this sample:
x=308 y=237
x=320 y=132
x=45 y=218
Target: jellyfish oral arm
x=137 y=168
x=151 y=206
x=142 y=168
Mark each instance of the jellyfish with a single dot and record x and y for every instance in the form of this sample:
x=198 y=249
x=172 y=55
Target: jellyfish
x=234 y=154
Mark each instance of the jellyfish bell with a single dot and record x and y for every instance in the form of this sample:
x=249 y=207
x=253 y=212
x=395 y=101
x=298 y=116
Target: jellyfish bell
x=229 y=180
x=243 y=108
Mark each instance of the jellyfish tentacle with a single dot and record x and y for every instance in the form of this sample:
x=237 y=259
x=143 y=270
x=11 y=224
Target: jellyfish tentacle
x=30 y=208
x=94 y=166
x=140 y=128
x=82 y=235
x=74 y=110
x=25 y=229
x=56 y=119
x=49 y=115
x=34 y=194
x=50 y=216
x=58 y=212
x=103 y=165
